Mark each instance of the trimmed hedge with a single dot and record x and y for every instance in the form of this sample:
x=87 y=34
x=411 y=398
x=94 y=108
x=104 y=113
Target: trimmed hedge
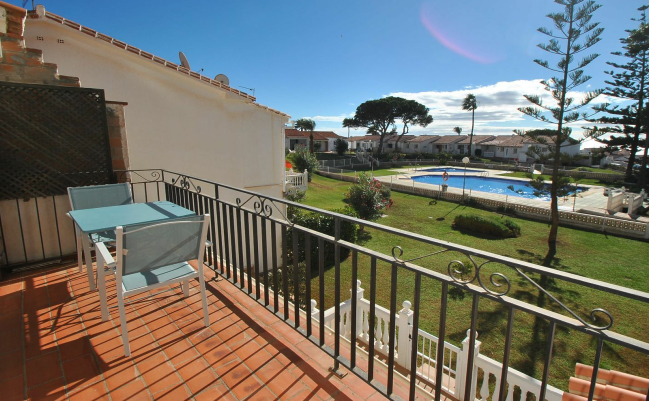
x=325 y=225
x=494 y=226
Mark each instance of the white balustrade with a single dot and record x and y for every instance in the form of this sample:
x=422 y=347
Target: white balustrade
x=299 y=181
x=454 y=361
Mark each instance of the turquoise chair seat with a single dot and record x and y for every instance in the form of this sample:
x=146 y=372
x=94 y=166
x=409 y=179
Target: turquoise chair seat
x=159 y=275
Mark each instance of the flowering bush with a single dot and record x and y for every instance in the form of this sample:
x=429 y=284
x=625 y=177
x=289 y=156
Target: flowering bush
x=368 y=198
x=305 y=160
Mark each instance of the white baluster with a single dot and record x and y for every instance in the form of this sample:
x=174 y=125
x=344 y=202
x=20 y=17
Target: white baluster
x=366 y=326
x=386 y=336
x=378 y=335
x=510 y=393
x=484 y=390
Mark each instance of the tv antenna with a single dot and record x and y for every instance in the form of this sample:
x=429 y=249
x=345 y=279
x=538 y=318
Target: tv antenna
x=223 y=79
x=183 y=60
x=250 y=89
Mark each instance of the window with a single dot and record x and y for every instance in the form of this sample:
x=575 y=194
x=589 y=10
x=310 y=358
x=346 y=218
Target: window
x=515 y=150
x=416 y=146
x=390 y=145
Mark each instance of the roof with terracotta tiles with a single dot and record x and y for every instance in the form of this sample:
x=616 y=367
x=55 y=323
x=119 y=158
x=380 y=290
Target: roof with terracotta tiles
x=476 y=139
x=365 y=138
x=423 y=138
x=317 y=135
x=394 y=138
x=42 y=13
x=448 y=139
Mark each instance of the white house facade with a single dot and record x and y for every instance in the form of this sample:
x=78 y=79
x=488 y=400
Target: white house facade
x=176 y=119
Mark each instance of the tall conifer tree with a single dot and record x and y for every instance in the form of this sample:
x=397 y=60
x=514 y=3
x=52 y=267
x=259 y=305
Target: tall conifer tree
x=574 y=34
x=629 y=81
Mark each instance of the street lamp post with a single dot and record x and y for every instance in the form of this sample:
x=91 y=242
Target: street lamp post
x=465 y=161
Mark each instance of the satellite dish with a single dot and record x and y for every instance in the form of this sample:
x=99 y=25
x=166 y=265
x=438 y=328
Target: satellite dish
x=183 y=60
x=223 y=79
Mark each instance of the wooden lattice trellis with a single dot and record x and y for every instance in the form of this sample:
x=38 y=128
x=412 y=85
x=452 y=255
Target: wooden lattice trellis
x=51 y=138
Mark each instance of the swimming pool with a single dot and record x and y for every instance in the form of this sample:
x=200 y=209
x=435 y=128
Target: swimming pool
x=451 y=170
x=485 y=184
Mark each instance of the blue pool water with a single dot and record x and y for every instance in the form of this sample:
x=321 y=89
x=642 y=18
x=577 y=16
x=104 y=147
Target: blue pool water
x=452 y=170
x=484 y=184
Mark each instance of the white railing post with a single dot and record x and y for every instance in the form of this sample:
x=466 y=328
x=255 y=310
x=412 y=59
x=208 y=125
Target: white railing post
x=403 y=342
x=359 y=311
x=462 y=361
x=305 y=179
x=315 y=312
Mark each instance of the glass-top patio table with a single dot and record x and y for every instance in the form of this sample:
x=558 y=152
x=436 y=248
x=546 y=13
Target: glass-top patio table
x=103 y=221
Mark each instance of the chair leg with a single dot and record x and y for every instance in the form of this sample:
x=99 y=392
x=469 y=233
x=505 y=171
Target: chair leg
x=79 y=249
x=88 y=256
x=122 y=319
x=201 y=280
x=101 y=283
x=185 y=287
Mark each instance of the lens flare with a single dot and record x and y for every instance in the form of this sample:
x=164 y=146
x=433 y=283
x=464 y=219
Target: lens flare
x=445 y=39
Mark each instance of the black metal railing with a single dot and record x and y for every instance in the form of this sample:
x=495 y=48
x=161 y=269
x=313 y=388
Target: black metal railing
x=250 y=233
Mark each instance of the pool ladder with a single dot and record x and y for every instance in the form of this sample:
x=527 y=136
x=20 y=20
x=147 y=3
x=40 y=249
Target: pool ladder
x=484 y=174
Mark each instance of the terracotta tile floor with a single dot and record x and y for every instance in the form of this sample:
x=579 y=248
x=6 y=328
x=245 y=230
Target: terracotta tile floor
x=53 y=345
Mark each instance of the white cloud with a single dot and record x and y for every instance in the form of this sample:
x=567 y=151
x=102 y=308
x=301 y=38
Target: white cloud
x=497 y=112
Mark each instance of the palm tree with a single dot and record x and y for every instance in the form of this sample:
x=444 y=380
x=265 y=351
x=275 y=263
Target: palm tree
x=306 y=124
x=457 y=130
x=470 y=103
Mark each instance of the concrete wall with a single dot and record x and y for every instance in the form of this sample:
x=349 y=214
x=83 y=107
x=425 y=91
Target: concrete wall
x=175 y=122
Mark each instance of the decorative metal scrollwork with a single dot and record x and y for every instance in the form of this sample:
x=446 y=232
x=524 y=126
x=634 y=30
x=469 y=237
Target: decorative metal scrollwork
x=186 y=183
x=262 y=206
x=459 y=271
x=155 y=176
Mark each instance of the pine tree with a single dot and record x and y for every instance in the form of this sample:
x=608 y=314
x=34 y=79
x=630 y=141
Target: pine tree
x=579 y=34
x=630 y=81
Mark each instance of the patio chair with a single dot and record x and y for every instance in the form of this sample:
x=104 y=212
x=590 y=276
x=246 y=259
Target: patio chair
x=155 y=255
x=92 y=197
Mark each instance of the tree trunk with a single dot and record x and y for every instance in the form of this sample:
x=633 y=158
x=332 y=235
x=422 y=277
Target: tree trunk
x=642 y=183
x=554 y=202
x=311 y=147
x=471 y=135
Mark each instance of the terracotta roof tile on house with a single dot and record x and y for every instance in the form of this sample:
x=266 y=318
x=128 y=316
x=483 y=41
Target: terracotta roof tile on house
x=42 y=13
x=476 y=139
x=317 y=135
x=448 y=139
x=365 y=138
x=394 y=138
x=423 y=138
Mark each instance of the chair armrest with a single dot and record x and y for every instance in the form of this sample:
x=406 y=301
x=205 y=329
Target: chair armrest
x=208 y=243
x=108 y=258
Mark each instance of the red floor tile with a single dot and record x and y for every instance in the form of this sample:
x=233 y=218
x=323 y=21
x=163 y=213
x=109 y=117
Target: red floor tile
x=70 y=353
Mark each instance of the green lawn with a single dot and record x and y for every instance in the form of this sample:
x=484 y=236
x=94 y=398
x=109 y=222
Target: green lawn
x=594 y=255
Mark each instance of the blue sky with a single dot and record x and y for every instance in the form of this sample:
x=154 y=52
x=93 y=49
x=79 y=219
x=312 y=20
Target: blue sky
x=321 y=59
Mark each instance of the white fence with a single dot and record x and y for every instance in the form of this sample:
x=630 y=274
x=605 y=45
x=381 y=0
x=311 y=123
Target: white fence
x=299 y=181
x=454 y=363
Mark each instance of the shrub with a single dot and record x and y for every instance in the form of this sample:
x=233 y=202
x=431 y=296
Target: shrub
x=368 y=198
x=503 y=228
x=323 y=224
x=341 y=146
x=305 y=160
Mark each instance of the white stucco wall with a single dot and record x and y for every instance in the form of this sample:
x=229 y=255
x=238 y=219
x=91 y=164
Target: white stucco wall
x=173 y=121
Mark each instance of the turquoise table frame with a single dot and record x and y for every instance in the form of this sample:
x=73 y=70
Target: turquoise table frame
x=97 y=220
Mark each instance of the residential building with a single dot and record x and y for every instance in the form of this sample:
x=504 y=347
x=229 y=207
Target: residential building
x=365 y=143
x=420 y=144
x=446 y=143
x=177 y=118
x=463 y=145
x=323 y=140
